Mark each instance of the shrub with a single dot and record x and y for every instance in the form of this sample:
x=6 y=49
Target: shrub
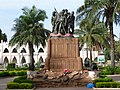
x=110 y=69
x=11 y=66
x=19 y=78
x=25 y=85
x=107 y=84
x=117 y=70
x=12 y=85
x=20 y=83
x=12 y=73
x=102 y=76
x=21 y=73
x=21 y=68
x=22 y=79
x=105 y=72
x=106 y=79
x=118 y=85
x=4 y=73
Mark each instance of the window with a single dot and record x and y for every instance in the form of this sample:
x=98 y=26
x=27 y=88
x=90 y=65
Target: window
x=6 y=50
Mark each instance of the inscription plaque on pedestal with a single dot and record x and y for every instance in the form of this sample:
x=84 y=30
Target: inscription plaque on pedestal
x=63 y=53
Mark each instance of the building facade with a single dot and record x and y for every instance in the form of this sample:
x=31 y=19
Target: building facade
x=20 y=55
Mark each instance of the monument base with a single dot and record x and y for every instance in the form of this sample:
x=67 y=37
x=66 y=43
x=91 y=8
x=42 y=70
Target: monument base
x=63 y=53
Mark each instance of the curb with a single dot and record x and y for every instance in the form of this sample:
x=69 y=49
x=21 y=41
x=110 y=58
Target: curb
x=106 y=88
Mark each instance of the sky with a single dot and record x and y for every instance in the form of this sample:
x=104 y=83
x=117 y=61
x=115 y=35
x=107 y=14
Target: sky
x=11 y=9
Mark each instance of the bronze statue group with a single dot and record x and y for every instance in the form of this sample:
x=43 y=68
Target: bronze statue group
x=62 y=23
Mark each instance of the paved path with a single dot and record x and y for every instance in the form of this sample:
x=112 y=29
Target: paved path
x=70 y=88
x=115 y=77
x=4 y=81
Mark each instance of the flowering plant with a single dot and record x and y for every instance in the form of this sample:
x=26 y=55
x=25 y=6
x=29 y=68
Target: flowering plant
x=67 y=71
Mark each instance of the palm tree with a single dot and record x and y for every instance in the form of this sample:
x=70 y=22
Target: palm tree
x=107 y=11
x=29 y=30
x=92 y=34
x=117 y=50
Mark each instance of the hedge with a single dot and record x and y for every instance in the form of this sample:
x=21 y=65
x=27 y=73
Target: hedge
x=13 y=73
x=105 y=72
x=20 y=83
x=102 y=76
x=108 y=85
x=22 y=79
x=13 y=85
x=25 y=85
x=108 y=70
x=4 y=73
x=21 y=73
x=106 y=79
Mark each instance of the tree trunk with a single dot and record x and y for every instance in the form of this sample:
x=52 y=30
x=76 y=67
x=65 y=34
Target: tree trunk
x=31 y=65
x=90 y=55
x=87 y=52
x=112 y=52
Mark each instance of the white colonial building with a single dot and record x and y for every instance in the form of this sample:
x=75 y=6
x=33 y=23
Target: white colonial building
x=85 y=51
x=21 y=55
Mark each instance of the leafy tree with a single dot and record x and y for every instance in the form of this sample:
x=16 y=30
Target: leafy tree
x=93 y=34
x=107 y=11
x=29 y=30
x=3 y=36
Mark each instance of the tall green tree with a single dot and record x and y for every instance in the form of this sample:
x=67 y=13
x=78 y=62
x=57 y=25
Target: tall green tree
x=117 y=50
x=107 y=11
x=3 y=36
x=29 y=30
x=93 y=34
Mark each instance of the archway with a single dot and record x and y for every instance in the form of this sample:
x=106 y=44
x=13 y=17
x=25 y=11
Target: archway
x=23 y=50
x=40 y=50
x=14 y=50
x=41 y=59
x=5 y=62
x=6 y=50
x=23 y=60
x=14 y=60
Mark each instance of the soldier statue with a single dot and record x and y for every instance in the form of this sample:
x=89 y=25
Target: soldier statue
x=62 y=23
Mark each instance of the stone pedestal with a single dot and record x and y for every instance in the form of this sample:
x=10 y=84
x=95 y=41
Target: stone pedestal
x=63 y=53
